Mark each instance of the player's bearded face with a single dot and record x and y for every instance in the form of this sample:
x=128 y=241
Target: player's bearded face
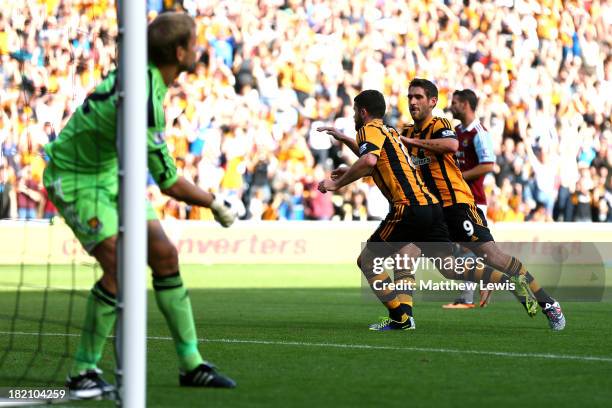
x=456 y=108
x=358 y=119
x=420 y=104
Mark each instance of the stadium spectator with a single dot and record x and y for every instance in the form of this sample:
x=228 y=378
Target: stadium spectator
x=8 y=199
x=29 y=195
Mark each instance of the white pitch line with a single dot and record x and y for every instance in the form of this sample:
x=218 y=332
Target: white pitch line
x=357 y=347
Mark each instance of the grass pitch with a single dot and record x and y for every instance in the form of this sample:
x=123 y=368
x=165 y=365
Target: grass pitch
x=295 y=335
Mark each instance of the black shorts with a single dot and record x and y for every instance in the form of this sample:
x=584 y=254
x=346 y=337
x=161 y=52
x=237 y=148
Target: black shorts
x=406 y=223
x=466 y=223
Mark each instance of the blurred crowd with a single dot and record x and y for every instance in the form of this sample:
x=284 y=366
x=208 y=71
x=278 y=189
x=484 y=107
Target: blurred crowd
x=271 y=71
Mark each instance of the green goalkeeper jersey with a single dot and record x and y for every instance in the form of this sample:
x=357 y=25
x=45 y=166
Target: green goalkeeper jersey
x=88 y=142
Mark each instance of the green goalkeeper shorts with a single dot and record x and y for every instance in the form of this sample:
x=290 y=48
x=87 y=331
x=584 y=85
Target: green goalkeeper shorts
x=88 y=203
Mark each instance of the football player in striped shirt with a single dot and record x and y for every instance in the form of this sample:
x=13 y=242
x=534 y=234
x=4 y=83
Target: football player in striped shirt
x=414 y=213
x=431 y=143
x=415 y=217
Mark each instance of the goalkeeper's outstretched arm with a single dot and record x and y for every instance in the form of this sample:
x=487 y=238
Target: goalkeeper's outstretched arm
x=189 y=193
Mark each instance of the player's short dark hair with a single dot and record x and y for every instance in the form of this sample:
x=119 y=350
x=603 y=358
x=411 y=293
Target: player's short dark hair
x=165 y=34
x=431 y=90
x=467 y=95
x=372 y=101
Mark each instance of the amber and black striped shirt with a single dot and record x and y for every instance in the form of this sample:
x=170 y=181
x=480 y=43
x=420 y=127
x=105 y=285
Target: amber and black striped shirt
x=398 y=181
x=440 y=172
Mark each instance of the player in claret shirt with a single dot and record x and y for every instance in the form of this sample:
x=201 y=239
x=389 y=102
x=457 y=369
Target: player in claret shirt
x=476 y=158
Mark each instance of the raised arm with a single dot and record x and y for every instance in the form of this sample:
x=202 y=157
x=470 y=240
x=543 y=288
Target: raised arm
x=361 y=168
x=341 y=137
x=368 y=146
x=438 y=146
x=443 y=140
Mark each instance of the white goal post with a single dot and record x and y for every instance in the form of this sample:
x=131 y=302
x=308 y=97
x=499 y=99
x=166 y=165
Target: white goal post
x=132 y=250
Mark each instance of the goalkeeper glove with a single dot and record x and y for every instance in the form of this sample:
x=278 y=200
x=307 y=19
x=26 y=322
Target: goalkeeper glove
x=222 y=212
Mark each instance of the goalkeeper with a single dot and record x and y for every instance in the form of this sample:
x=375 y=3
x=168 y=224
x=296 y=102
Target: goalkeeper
x=82 y=180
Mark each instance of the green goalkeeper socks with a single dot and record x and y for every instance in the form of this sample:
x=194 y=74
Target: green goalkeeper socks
x=173 y=301
x=100 y=316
